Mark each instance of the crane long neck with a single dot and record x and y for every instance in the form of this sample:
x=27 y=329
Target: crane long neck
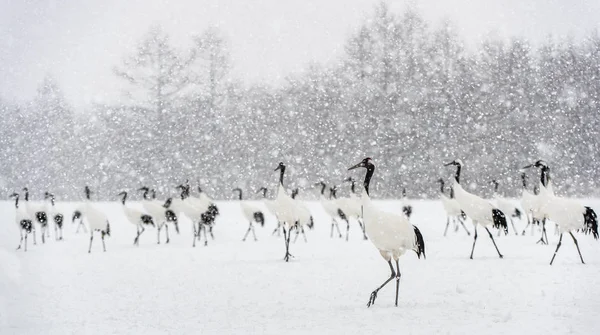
x=240 y=191
x=145 y=195
x=264 y=192
x=457 y=175
x=524 y=180
x=353 y=187
x=26 y=195
x=16 y=201
x=323 y=188
x=545 y=176
x=496 y=187
x=370 y=171
x=124 y=197
x=442 y=186
x=281 y=173
x=87 y=193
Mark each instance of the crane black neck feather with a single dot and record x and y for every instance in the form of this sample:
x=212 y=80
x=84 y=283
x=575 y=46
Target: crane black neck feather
x=353 y=186
x=545 y=176
x=240 y=192
x=441 y=185
x=370 y=170
x=323 y=188
x=524 y=180
x=457 y=175
x=124 y=195
x=281 y=173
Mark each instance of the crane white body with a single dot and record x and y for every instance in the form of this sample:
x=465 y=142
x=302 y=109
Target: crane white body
x=568 y=214
x=481 y=211
x=24 y=222
x=390 y=233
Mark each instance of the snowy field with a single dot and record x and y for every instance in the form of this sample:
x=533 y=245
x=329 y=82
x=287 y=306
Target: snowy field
x=234 y=287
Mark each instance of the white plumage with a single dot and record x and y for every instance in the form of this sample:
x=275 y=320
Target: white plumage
x=505 y=205
x=480 y=211
x=452 y=208
x=24 y=221
x=251 y=214
x=286 y=210
x=390 y=233
x=568 y=214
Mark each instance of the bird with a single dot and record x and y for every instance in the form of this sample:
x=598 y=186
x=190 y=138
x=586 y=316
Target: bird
x=568 y=214
x=351 y=206
x=140 y=219
x=332 y=209
x=271 y=208
x=56 y=216
x=304 y=217
x=160 y=212
x=505 y=206
x=95 y=218
x=38 y=212
x=406 y=209
x=528 y=201
x=77 y=213
x=478 y=209
x=24 y=221
x=251 y=214
x=286 y=211
x=390 y=233
x=452 y=208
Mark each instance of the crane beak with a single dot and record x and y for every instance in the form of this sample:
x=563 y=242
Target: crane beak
x=361 y=164
x=448 y=164
x=528 y=166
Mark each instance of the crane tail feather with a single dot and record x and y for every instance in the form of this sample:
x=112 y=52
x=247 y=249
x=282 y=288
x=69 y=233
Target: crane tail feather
x=419 y=243
x=499 y=220
x=591 y=221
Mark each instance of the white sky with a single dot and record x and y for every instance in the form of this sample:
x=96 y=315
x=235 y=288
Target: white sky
x=79 y=41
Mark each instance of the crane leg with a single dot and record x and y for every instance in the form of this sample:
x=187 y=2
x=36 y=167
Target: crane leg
x=167 y=232
x=557 y=247
x=136 y=241
x=253 y=232
x=195 y=235
x=362 y=227
x=512 y=222
x=21 y=241
x=374 y=293
x=495 y=246
x=542 y=241
x=205 y=236
x=210 y=229
x=331 y=234
x=25 y=249
x=465 y=227
x=570 y=233
x=91 y=239
x=276 y=230
x=447 y=224
x=337 y=226
x=397 y=281
x=304 y=234
x=247 y=232
x=347 y=229
x=34 y=238
x=103 y=245
x=286 y=238
x=158 y=228
x=297 y=234
x=474 y=241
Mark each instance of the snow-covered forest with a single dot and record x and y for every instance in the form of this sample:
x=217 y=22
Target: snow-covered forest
x=407 y=92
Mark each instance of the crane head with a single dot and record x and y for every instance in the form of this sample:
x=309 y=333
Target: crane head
x=281 y=166
x=364 y=163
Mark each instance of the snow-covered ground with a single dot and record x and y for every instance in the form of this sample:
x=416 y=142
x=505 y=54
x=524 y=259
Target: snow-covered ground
x=246 y=288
